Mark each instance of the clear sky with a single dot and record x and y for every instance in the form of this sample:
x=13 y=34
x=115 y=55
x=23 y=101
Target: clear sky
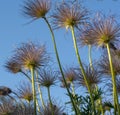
x=13 y=31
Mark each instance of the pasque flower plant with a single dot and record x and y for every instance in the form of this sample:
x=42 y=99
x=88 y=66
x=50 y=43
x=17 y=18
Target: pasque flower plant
x=47 y=79
x=37 y=9
x=72 y=16
x=32 y=59
x=25 y=92
x=30 y=56
x=94 y=77
x=104 y=31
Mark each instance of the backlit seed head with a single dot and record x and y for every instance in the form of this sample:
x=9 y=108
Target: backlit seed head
x=104 y=65
x=24 y=109
x=103 y=30
x=56 y=109
x=13 y=66
x=31 y=56
x=4 y=91
x=84 y=38
x=47 y=78
x=70 y=77
x=7 y=106
x=69 y=15
x=107 y=106
x=25 y=92
x=36 y=9
x=92 y=75
x=110 y=85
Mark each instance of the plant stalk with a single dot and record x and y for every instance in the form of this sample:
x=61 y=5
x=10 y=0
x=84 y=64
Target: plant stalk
x=82 y=69
x=73 y=89
x=49 y=97
x=40 y=92
x=31 y=82
x=59 y=63
x=38 y=107
x=33 y=89
x=90 y=57
x=115 y=95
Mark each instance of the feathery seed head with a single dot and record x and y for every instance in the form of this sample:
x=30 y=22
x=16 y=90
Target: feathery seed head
x=84 y=37
x=4 y=91
x=31 y=55
x=110 y=85
x=70 y=76
x=104 y=65
x=107 y=106
x=36 y=8
x=56 y=108
x=47 y=78
x=13 y=65
x=7 y=106
x=25 y=92
x=103 y=30
x=93 y=77
x=69 y=15
x=27 y=109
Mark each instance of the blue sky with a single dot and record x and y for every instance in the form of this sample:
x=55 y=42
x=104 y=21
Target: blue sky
x=13 y=31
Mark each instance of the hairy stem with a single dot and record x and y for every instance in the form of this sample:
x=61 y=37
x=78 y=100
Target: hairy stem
x=115 y=95
x=40 y=92
x=33 y=89
x=90 y=57
x=82 y=69
x=38 y=107
x=49 y=97
x=73 y=89
x=59 y=63
x=31 y=82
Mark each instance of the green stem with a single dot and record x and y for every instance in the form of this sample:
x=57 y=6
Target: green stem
x=33 y=89
x=59 y=64
x=89 y=55
x=31 y=82
x=115 y=95
x=40 y=92
x=49 y=97
x=29 y=106
x=73 y=89
x=38 y=107
x=82 y=69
